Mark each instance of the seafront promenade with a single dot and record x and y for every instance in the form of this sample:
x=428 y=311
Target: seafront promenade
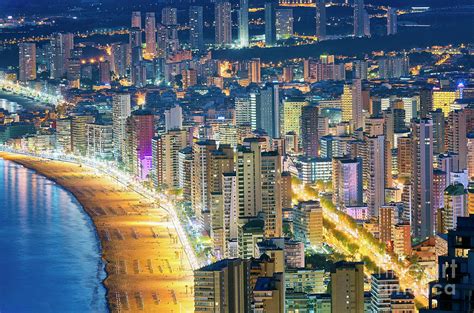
x=147 y=267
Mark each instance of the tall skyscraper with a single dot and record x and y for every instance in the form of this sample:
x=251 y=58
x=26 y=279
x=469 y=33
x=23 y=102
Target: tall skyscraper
x=136 y=19
x=351 y=101
x=121 y=110
x=284 y=23
x=439 y=131
x=150 y=34
x=347 y=182
x=391 y=21
x=268 y=110
x=426 y=102
x=270 y=27
x=196 y=24
x=138 y=150
x=374 y=172
x=422 y=178
x=223 y=22
x=321 y=19
x=79 y=133
x=292 y=108
x=254 y=71
x=309 y=130
x=249 y=179
x=271 y=193
x=165 y=161
x=120 y=59
x=135 y=38
x=347 y=287
x=27 y=61
x=359 y=11
x=169 y=16
x=244 y=23
x=61 y=46
x=456 y=136
x=200 y=198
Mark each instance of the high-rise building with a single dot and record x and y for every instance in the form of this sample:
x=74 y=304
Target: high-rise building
x=387 y=220
x=323 y=69
x=135 y=39
x=347 y=182
x=104 y=73
x=174 y=118
x=443 y=99
x=391 y=21
x=270 y=26
x=382 y=287
x=271 y=193
x=196 y=24
x=61 y=46
x=359 y=12
x=422 y=178
x=246 y=110
x=292 y=110
x=165 y=162
x=200 y=195
x=456 y=136
x=347 y=287
x=248 y=170
x=309 y=130
x=393 y=67
x=254 y=70
x=136 y=19
x=79 y=133
x=455 y=205
x=351 y=102
x=169 y=16
x=268 y=110
x=374 y=172
x=284 y=23
x=99 y=141
x=139 y=132
x=402 y=239
x=63 y=135
x=251 y=231
x=321 y=19
x=439 y=133
x=244 y=23
x=121 y=110
x=426 y=102
x=308 y=223
x=404 y=148
x=223 y=287
x=150 y=34
x=223 y=22
x=27 y=61
x=360 y=70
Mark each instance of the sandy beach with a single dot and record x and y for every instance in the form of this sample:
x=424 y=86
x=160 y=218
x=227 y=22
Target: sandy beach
x=145 y=262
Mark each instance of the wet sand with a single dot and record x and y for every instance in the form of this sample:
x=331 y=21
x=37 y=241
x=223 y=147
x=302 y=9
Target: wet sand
x=147 y=270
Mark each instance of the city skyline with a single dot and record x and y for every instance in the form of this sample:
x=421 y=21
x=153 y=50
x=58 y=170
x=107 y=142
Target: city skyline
x=241 y=156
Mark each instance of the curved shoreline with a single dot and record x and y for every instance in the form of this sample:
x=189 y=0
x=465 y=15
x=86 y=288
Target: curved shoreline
x=103 y=261
x=122 y=220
